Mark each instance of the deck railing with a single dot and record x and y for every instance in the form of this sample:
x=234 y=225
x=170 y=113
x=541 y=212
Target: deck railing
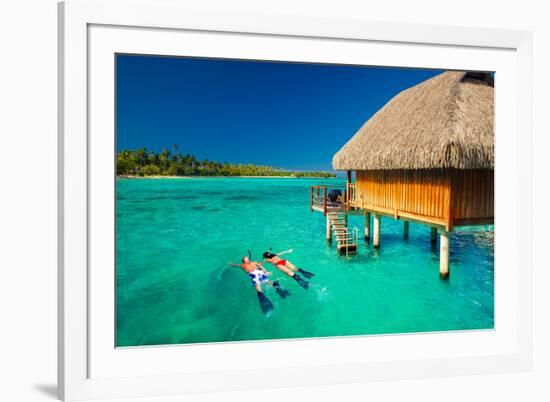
x=351 y=195
x=318 y=198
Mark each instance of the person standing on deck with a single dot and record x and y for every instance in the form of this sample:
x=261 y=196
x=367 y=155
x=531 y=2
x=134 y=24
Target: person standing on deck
x=287 y=267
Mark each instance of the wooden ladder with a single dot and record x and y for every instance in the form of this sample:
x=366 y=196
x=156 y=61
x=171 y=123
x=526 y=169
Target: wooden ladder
x=346 y=238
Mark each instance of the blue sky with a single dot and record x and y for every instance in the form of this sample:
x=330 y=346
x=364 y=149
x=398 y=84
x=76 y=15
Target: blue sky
x=287 y=115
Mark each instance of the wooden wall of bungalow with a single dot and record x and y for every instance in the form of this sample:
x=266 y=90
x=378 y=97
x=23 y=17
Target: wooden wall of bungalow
x=438 y=197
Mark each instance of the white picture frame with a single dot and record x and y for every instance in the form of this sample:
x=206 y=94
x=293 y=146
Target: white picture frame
x=89 y=367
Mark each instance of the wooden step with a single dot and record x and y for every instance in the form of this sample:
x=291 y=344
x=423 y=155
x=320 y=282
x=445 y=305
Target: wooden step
x=347 y=249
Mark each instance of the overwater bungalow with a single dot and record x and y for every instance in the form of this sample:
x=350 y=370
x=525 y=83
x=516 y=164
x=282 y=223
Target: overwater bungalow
x=427 y=156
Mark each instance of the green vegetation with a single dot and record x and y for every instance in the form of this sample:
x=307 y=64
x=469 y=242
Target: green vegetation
x=141 y=162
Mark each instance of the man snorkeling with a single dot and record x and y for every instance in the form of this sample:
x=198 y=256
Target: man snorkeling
x=288 y=268
x=259 y=275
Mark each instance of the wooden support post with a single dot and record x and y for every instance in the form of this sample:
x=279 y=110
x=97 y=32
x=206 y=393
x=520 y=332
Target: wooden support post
x=406 y=229
x=347 y=192
x=367 y=226
x=346 y=200
x=434 y=236
x=444 y=254
x=376 y=234
x=329 y=230
x=325 y=201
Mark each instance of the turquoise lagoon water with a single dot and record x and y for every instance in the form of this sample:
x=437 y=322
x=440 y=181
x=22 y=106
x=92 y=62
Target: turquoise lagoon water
x=175 y=238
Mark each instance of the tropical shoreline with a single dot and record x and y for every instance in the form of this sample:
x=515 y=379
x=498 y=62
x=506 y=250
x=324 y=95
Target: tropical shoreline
x=144 y=163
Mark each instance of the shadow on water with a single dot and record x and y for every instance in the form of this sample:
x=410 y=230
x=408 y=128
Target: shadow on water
x=199 y=208
x=241 y=198
x=212 y=192
x=373 y=253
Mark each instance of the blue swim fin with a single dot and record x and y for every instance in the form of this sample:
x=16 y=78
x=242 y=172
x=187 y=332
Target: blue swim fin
x=265 y=304
x=301 y=282
x=306 y=274
x=280 y=291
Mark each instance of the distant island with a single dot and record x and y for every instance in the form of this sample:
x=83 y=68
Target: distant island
x=143 y=163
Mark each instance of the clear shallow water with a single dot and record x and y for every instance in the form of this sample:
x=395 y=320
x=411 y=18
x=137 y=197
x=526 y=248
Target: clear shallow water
x=175 y=238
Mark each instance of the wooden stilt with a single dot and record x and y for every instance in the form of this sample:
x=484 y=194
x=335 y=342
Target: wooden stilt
x=367 y=226
x=444 y=254
x=376 y=234
x=329 y=230
x=434 y=236
x=406 y=229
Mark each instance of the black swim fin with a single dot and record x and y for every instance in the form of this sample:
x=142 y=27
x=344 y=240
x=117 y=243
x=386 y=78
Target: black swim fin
x=265 y=304
x=280 y=291
x=306 y=274
x=301 y=282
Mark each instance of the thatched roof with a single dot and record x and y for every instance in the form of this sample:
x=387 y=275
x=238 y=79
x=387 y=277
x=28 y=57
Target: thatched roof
x=444 y=122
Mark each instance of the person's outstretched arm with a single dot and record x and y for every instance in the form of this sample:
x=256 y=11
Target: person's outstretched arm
x=285 y=252
x=234 y=265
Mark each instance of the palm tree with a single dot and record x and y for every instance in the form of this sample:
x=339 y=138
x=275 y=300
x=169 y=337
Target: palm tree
x=148 y=163
x=141 y=156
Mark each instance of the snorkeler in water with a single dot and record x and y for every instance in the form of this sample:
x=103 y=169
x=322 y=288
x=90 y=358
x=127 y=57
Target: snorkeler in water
x=259 y=275
x=288 y=268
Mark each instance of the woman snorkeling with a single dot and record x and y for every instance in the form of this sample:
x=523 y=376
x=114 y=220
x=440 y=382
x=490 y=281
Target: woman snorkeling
x=287 y=267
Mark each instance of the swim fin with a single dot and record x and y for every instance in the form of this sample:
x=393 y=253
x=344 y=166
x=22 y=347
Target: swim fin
x=306 y=274
x=280 y=291
x=301 y=282
x=265 y=304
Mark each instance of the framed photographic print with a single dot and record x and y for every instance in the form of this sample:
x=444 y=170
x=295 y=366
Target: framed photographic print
x=328 y=195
